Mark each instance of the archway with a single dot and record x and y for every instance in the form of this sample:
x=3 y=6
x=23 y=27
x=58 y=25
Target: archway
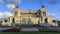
x=46 y=21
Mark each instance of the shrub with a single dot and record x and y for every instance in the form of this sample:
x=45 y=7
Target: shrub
x=12 y=30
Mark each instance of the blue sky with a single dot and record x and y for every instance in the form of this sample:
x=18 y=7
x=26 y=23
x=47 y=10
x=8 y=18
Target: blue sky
x=53 y=7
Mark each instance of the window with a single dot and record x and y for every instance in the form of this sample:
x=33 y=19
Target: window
x=44 y=13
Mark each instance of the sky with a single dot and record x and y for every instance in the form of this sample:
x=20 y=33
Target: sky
x=52 y=6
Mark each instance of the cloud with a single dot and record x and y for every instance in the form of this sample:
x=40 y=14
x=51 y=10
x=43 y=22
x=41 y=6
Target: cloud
x=53 y=2
x=1 y=1
x=10 y=6
x=58 y=9
x=0 y=14
x=52 y=14
x=57 y=18
x=14 y=1
x=5 y=15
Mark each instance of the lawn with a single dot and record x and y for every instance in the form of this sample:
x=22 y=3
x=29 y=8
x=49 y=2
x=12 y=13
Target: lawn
x=29 y=32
